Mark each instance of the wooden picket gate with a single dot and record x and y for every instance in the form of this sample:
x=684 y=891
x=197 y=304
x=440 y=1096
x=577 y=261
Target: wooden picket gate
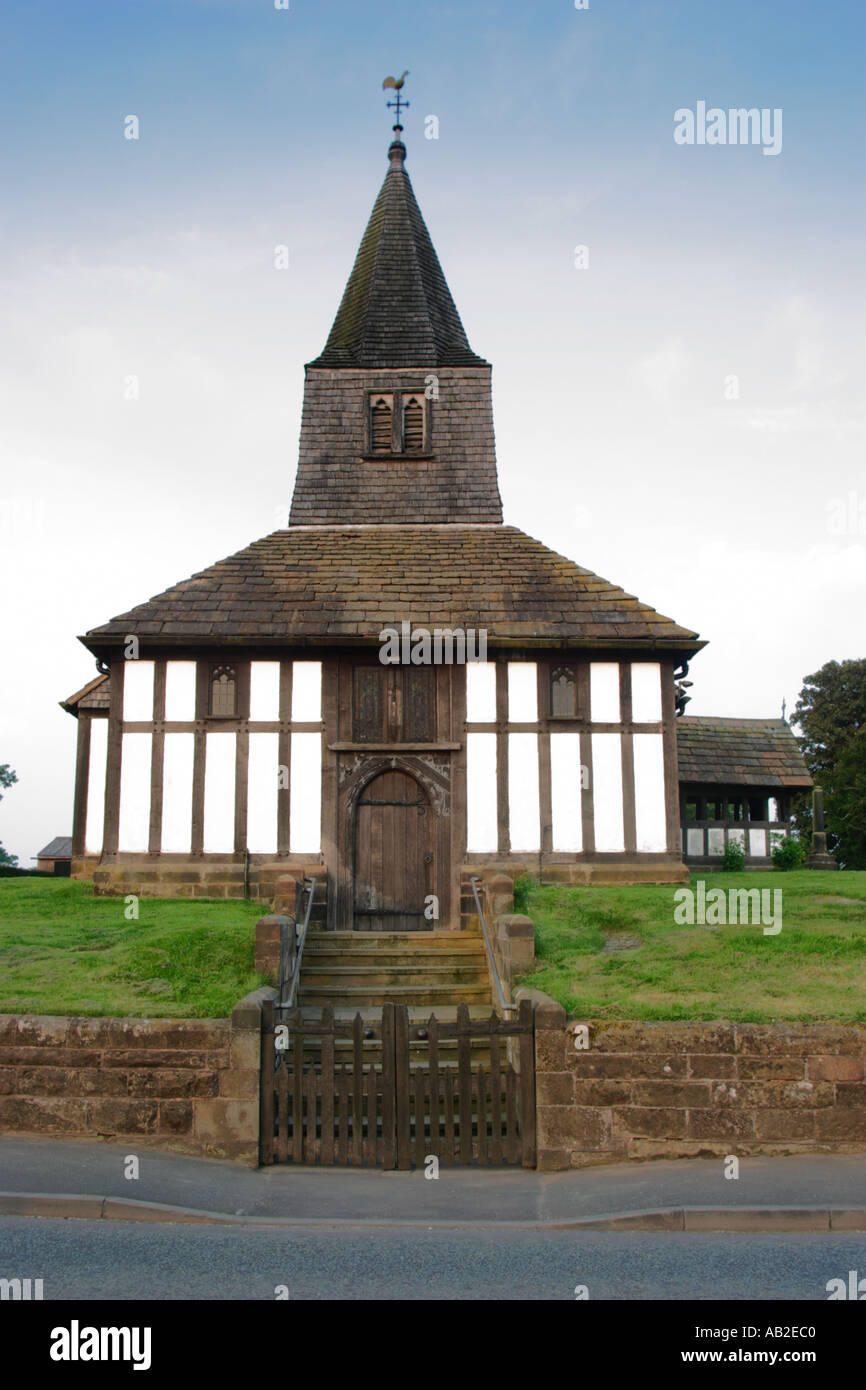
x=390 y=1093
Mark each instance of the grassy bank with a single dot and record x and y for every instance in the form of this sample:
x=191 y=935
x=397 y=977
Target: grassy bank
x=604 y=952
x=64 y=951
x=617 y=952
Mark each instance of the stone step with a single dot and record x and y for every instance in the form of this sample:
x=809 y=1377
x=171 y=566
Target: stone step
x=420 y=940
x=424 y=969
x=393 y=955
x=428 y=996
x=391 y=961
x=407 y=973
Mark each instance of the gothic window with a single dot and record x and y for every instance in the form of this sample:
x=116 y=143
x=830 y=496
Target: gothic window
x=563 y=694
x=419 y=711
x=413 y=425
x=368 y=705
x=381 y=424
x=223 y=691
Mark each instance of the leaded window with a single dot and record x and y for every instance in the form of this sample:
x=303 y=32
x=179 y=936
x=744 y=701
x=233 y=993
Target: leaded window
x=223 y=692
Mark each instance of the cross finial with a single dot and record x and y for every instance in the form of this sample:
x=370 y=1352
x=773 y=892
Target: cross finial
x=784 y=707
x=399 y=103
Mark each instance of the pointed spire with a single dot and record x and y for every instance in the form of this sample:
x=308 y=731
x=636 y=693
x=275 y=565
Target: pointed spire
x=397 y=309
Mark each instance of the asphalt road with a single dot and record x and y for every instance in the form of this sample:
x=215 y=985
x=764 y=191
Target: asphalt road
x=122 y=1260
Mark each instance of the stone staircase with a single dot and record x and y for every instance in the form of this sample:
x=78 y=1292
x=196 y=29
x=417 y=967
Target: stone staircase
x=426 y=970
x=430 y=972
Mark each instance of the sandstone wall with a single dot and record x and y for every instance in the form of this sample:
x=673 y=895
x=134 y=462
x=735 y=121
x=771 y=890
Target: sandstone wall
x=188 y=1084
x=273 y=883
x=671 y=1090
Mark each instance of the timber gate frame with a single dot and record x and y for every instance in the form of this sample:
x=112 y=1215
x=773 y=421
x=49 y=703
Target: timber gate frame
x=403 y=1104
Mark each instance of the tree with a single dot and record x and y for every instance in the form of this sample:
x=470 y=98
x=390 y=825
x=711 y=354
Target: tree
x=831 y=714
x=830 y=710
x=7 y=778
x=845 y=804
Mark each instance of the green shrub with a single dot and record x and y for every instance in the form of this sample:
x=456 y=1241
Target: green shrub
x=734 y=857
x=789 y=853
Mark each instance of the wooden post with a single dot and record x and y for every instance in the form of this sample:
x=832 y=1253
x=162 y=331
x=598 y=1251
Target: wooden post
x=502 y=810
x=587 y=794
x=433 y=1053
x=401 y=1069
x=113 y=758
x=357 y=1090
x=527 y=1082
x=330 y=785
x=328 y=1084
x=464 y=1082
x=82 y=780
x=202 y=696
x=669 y=746
x=389 y=1134
x=242 y=764
x=495 y=1100
x=297 y=1089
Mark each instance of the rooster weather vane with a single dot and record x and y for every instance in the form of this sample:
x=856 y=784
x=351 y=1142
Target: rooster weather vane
x=398 y=104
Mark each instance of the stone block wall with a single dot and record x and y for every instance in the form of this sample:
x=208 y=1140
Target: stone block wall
x=275 y=936
x=513 y=945
x=272 y=883
x=676 y=1090
x=496 y=891
x=191 y=1085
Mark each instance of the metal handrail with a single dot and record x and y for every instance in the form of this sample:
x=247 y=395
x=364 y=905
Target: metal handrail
x=505 y=1007
x=301 y=941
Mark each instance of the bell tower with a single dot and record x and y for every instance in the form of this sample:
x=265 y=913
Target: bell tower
x=397 y=424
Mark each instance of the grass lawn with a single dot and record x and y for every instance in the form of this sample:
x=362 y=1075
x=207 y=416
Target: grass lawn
x=64 y=951
x=814 y=969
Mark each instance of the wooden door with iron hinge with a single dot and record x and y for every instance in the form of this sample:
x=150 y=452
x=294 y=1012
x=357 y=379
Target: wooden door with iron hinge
x=394 y=855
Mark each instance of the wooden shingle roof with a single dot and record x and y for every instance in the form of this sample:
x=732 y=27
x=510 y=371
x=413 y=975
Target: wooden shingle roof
x=94 y=695
x=337 y=584
x=397 y=310
x=739 y=752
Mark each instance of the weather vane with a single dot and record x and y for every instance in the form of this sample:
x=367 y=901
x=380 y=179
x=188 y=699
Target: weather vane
x=399 y=103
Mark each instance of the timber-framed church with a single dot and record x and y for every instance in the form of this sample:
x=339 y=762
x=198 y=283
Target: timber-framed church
x=244 y=728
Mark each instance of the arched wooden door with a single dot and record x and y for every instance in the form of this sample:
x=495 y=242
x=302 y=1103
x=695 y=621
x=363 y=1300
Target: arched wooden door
x=393 y=866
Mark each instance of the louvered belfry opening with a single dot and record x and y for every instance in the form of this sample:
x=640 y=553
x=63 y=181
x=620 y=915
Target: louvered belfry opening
x=381 y=425
x=413 y=426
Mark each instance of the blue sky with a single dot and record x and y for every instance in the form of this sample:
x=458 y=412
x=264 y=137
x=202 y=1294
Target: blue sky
x=617 y=443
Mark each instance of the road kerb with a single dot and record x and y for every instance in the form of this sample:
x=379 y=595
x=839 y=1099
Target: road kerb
x=685 y=1219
